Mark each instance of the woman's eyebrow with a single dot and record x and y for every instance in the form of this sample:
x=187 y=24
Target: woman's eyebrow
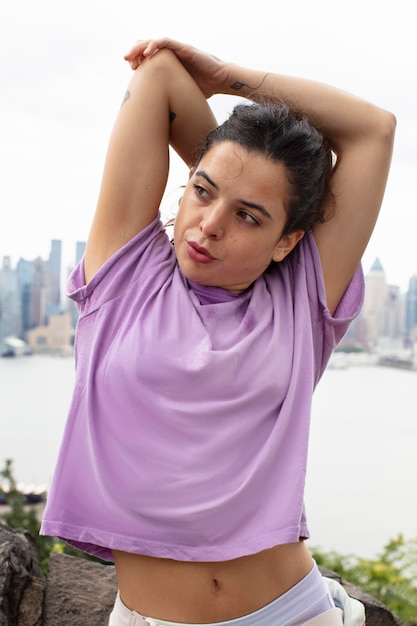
x=207 y=177
x=250 y=205
x=257 y=207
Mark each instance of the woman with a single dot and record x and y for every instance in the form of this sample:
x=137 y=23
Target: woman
x=184 y=455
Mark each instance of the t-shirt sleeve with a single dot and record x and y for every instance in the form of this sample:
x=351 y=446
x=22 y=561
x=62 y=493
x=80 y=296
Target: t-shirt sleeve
x=140 y=255
x=328 y=329
x=351 y=302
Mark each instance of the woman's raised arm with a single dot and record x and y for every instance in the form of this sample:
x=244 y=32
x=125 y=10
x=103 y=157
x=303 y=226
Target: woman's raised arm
x=162 y=105
x=361 y=135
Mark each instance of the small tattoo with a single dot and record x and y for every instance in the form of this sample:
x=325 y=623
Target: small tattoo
x=172 y=116
x=126 y=97
x=238 y=85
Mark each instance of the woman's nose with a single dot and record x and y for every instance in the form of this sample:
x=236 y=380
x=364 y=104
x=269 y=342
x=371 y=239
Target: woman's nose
x=212 y=223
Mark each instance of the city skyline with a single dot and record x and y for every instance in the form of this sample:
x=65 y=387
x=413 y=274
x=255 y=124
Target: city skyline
x=36 y=315
x=70 y=256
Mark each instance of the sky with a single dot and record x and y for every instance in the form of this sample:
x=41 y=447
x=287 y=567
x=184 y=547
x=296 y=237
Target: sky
x=62 y=80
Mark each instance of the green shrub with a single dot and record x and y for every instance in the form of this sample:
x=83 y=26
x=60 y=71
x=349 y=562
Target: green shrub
x=391 y=578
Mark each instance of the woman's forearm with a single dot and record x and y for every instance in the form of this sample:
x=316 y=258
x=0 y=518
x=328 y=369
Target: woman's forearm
x=340 y=115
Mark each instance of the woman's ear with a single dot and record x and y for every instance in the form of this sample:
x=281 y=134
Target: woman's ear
x=286 y=244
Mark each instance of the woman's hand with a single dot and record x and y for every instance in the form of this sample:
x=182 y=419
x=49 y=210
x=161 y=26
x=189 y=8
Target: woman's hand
x=209 y=72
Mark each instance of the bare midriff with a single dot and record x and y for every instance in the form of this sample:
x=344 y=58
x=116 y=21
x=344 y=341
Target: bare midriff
x=193 y=592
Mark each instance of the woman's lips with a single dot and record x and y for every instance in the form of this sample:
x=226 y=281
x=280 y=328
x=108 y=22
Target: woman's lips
x=198 y=253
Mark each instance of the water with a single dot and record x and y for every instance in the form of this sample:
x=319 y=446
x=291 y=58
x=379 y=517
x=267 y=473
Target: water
x=34 y=396
x=361 y=483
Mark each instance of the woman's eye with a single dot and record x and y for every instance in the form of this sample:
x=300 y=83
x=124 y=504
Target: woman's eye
x=200 y=191
x=248 y=217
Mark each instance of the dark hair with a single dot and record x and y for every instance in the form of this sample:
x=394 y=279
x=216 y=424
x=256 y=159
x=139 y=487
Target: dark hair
x=285 y=136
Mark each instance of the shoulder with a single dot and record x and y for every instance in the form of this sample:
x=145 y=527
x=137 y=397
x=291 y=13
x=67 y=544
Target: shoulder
x=137 y=258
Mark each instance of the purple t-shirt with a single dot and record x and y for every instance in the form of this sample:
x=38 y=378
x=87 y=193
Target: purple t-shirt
x=188 y=430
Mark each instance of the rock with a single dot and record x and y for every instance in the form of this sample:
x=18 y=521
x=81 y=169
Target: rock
x=376 y=613
x=78 y=592
x=22 y=584
x=31 y=604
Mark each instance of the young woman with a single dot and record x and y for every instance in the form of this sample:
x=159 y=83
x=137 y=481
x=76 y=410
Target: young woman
x=184 y=456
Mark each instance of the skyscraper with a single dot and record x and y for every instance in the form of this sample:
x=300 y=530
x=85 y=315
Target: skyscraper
x=411 y=308
x=9 y=303
x=376 y=289
x=53 y=279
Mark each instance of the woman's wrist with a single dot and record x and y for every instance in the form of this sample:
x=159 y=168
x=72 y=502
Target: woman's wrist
x=244 y=82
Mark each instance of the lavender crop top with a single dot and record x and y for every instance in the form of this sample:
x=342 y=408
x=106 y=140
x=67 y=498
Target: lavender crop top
x=188 y=429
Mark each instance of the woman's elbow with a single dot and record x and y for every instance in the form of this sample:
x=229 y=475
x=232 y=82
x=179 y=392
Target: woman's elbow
x=387 y=123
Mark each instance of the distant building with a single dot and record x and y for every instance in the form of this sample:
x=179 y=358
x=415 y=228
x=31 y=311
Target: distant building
x=79 y=250
x=393 y=313
x=383 y=310
x=375 y=294
x=24 y=272
x=71 y=306
x=53 y=278
x=55 y=337
x=38 y=300
x=411 y=309
x=10 y=310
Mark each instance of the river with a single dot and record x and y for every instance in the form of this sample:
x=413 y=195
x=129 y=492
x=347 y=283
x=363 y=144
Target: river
x=361 y=483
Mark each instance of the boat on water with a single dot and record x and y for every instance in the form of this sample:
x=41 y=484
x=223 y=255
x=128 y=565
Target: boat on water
x=13 y=346
x=401 y=362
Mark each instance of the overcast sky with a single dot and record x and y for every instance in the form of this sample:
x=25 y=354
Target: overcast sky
x=62 y=79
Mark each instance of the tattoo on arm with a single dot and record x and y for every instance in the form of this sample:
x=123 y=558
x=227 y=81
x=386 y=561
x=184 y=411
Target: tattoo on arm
x=126 y=97
x=238 y=85
x=172 y=115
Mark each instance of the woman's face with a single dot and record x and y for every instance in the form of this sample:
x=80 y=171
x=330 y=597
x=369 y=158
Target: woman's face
x=231 y=218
